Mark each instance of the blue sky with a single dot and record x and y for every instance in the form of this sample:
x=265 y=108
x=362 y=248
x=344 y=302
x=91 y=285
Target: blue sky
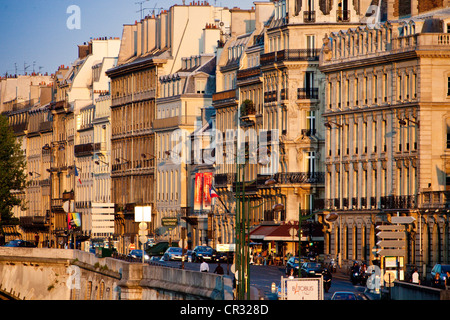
x=35 y=32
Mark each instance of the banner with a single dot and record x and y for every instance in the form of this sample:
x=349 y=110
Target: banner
x=198 y=191
x=73 y=220
x=207 y=185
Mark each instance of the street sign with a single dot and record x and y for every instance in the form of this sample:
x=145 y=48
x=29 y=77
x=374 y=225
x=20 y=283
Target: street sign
x=392 y=252
x=389 y=278
x=391 y=243
x=405 y=220
x=169 y=222
x=391 y=227
x=391 y=235
x=143 y=239
x=302 y=288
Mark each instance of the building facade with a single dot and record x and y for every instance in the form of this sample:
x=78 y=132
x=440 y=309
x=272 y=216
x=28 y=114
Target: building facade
x=386 y=113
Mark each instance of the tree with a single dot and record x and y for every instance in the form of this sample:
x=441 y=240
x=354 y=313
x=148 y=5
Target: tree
x=13 y=178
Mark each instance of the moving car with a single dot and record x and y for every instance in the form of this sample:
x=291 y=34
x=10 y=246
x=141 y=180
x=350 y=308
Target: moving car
x=172 y=253
x=137 y=254
x=20 y=243
x=311 y=269
x=203 y=252
x=347 y=295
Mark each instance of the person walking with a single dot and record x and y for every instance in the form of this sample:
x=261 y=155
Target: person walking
x=447 y=281
x=204 y=267
x=436 y=282
x=219 y=269
x=415 y=277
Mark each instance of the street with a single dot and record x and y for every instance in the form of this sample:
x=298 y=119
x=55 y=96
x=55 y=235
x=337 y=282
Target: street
x=262 y=278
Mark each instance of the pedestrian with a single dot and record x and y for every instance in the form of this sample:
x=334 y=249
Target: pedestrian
x=219 y=269
x=204 y=267
x=415 y=277
x=447 y=281
x=436 y=282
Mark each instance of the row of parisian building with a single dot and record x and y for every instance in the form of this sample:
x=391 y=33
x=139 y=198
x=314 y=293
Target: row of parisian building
x=352 y=99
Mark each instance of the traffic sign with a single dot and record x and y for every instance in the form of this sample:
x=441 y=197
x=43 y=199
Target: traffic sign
x=391 y=235
x=391 y=227
x=406 y=220
x=143 y=239
x=392 y=252
x=391 y=243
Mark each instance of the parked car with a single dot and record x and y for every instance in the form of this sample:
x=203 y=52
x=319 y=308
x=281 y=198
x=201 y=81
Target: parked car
x=202 y=252
x=137 y=254
x=172 y=253
x=442 y=270
x=292 y=264
x=20 y=243
x=311 y=269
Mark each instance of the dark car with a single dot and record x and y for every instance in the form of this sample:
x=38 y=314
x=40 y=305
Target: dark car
x=311 y=269
x=344 y=295
x=137 y=254
x=203 y=252
x=442 y=270
x=292 y=264
x=20 y=243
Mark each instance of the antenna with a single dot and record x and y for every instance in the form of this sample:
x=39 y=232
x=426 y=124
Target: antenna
x=140 y=5
x=25 y=67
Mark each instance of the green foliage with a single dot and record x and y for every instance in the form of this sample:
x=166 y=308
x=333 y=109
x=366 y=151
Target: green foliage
x=12 y=172
x=247 y=108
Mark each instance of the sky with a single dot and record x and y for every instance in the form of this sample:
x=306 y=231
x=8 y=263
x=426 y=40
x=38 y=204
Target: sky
x=41 y=35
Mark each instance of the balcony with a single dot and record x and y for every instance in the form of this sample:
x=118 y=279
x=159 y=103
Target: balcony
x=300 y=177
x=434 y=200
x=224 y=95
x=343 y=15
x=307 y=93
x=290 y=55
x=309 y=16
x=398 y=202
x=173 y=122
x=248 y=74
x=82 y=150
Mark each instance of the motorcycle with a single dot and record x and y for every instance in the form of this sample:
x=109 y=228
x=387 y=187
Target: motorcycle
x=363 y=278
x=333 y=265
x=355 y=277
x=326 y=275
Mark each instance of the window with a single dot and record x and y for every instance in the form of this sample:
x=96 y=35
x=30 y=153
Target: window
x=200 y=86
x=311 y=122
x=448 y=86
x=310 y=161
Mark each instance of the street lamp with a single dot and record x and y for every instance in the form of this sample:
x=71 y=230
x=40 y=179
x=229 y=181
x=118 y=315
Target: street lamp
x=403 y=122
x=33 y=172
x=120 y=158
x=328 y=124
x=97 y=162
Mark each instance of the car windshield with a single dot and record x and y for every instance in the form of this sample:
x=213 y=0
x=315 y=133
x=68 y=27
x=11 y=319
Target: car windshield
x=294 y=260
x=204 y=248
x=175 y=249
x=344 y=296
x=136 y=252
x=313 y=265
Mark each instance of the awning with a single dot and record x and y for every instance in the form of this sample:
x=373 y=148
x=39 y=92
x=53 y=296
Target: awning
x=282 y=232
x=263 y=230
